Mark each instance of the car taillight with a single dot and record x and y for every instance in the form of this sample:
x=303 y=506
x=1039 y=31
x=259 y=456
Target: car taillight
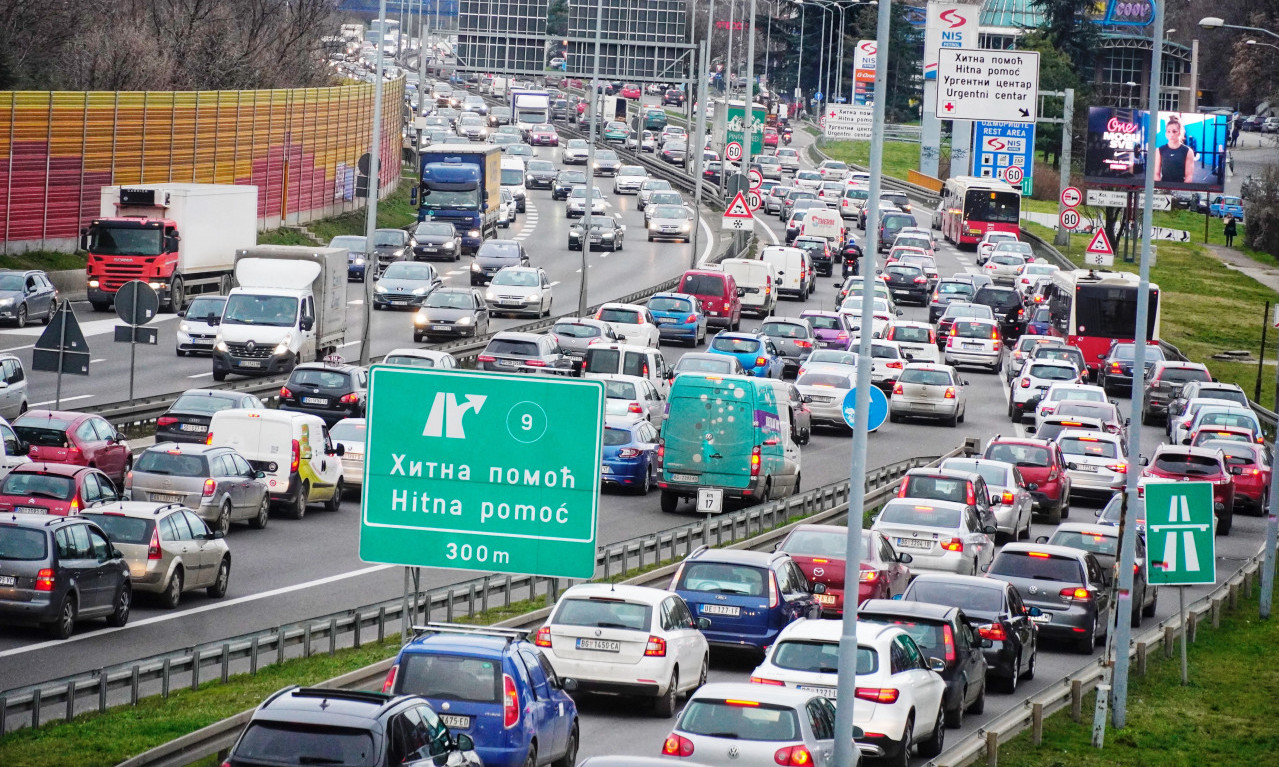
x=1115 y=367
x=804 y=344
x=285 y=392
x=897 y=389
x=1025 y=383
x=772 y=590
x=677 y=745
x=350 y=399
x=208 y=440
x=932 y=336
x=45 y=579
x=1122 y=468
x=153 y=548
x=895 y=365
x=388 y=684
x=74 y=507
x=1007 y=497
x=510 y=702
x=486 y=358
x=296 y=458
x=793 y=756
x=954 y=544
x=761 y=362
x=950 y=393
x=690 y=319
x=543 y=637
x=656 y=647
x=994 y=632
x=948 y=638
x=535 y=363
x=634 y=408
x=1073 y=593
x=210 y=486
x=762 y=680
x=755 y=459
x=869 y=576
x=165 y=420
x=921 y=280
x=970 y=495
x=994 y=335
x=727 y=306
x=661 y=455
x=877 y=694
x=128 y=481
x=629 y=452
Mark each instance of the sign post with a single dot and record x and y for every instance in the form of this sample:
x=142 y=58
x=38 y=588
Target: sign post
x=491 y=472
x=61 y=348
x=136 y=303
x=1181 y=542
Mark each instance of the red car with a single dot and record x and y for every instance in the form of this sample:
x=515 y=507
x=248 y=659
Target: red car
x=1198 y=464
x=1223 y=434
x=543 y=135
x=54 y=488
x=81 y=439
x=631 y=91
x=819 y=551
x=1252 y=487
x=770 y=137
x=1042 y=463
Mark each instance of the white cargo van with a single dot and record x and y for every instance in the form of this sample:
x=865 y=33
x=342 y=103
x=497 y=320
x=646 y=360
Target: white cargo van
x=796 y=275
x=301 y=462
x=513 y=179
x=757 y=280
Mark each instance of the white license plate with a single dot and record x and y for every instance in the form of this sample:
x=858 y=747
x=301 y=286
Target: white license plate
x=972 y=346
x=249 y=363
x=507 y=363
x=826 y=599
x=604 y=645
x=456 y=722
x=666 y=320
x=821 y=400
x=202 y=341
x=912 y=543
x=315 y=401
x=721 y=610
x=604 y=469
x=684 y=477
x=1086 y=467
x=29 y=510
x=163 y=498
x=439 y=327
x=825 y=692
x=8 y=580
x=193 y=427
x=1042 y=618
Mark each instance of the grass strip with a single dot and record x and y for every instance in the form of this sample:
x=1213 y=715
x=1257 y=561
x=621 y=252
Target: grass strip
x=394 y=211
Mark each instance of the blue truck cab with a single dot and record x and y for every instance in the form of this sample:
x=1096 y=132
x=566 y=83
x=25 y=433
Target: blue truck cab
x=495 y=686
x=461 y=185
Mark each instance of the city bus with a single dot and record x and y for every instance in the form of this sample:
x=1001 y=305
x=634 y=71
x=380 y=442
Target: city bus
x=972 y=206
x=1090 y=308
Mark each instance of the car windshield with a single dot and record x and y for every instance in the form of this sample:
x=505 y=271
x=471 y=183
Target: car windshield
x=407 y=270
x=970 y=599
x=499 y=249
x=784 y=330
x=433 y=229
x=512 y=348
x=824 y=322
x=655 y=184
x=724 y=578
x=623 y=390
x=832 y=356
x=1019 y=455
x=622 y=316
x=12 y=282
x=928 y=635
x=350 y=242
x=1184 y=375
x=617 y=436
x=512 y=177
x=121 y=529
x=444 y=299
x=974 y=330
x=272 y=311
x=518 y=278
x=1106 y=545
x=755 y=722
x=571 y=177
x=348 y=430
x=735 y=345
x=995 y=474
x=606 y=613
x=1221 y=418
x=204 y=309
x=54 y=486
x=287 y=743
x=912 y=335
x=677 y=212
x=396 y=237
x=925 y=515
x=19 y=544
x=631 y=170
x=575 y=330
x=664 y=304
x=818 y=657
x=1037 y=565
x=926 y=377
x=903 y=271
x=817 y=543
x=171 y=464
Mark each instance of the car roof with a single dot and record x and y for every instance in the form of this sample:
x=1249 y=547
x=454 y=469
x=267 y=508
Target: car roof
x=645 y=594
x=1091 y=528
x=965 y=580
x=1091 y=436
x=64 y=415
x=1204 y=452
x=185 y=448
x=928 y=610
x=772 y=694
x=1002 y=440
x=736 y=556
x=931 y=471
x=515 y=335
x=330 y=706
x=135 y=509
x=1044 y=548
x=58 y=469
x=37 y=520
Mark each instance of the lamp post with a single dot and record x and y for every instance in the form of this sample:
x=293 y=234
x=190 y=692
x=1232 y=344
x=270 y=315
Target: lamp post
x=1263 y=45
x=799 y=61
x=1213 y=22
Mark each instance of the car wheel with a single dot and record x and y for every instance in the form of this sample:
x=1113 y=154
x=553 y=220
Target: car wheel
x=223 y=522
x=1086 y=643
x=1009 y=683
x=1149 y=610
x=953 y=421
x=647 y=484
x=123 y=602
x=901 y=757
x=1136 y=608
x=701 y=678
x=218 y=589
x=219 y=375
x=48 y=317
x=264 y=513
x=669 y=502
x=181 y=353
x=335 y=503
x=955 y=716
x=664 y=705
x=172 y=593
x=21 y=320
x=62 y=627
x=569 y=759
x=298 y=510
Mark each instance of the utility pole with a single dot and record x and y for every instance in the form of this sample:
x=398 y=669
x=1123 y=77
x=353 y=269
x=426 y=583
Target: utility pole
x=370 y=211
x=593 y=114
x=700 y=142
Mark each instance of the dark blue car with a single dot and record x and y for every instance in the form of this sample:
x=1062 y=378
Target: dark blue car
x=495 y=686
x=630 y=453
x=1040 y=322
x=679 y=317
x=748 y=596
x=758 y=355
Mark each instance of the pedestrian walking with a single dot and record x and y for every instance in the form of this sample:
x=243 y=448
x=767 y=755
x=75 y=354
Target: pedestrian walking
x=1230 y=229
x=1234 y=133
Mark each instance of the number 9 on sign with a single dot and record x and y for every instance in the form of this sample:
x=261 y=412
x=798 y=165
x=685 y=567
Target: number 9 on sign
x=754 y=200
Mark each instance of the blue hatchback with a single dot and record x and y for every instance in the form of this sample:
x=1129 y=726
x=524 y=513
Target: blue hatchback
x=679 y=317
x=495 y=686
x=630 y=453
x=758 y=355
x=748 y=596
x=1040 y=322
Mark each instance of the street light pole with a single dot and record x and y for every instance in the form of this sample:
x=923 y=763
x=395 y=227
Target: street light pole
x=1213 y=22
x=370 y=213
x=799 y=90
x=594 y=114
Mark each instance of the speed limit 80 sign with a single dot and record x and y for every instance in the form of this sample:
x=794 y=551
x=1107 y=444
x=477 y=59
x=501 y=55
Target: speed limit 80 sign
x=1069 y=219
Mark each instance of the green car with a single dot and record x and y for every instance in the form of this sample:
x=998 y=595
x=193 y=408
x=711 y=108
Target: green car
x=616 y=131
x=654 y=119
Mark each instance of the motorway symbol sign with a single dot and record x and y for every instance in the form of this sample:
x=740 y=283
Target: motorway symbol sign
x=1180 y=533
x=878 y=408
x=733 y=151
x=1013 y=175
x=987 y=85
x=754 y=200
x=482 y=471
x=61 y=348
x=1071 y=197
x=1099 y=252
x=1069 y=219
x=710 y=500
x=847 y=123
x=757 y=179
x=136 y=302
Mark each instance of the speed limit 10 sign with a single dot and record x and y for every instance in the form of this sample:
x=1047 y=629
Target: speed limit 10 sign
x=1069 y=219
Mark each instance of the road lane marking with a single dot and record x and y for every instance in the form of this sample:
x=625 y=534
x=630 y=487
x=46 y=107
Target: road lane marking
x=201 y=375
x=64 y=399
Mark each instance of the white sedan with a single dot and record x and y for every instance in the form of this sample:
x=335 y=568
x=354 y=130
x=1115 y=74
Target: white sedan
x=350 y=433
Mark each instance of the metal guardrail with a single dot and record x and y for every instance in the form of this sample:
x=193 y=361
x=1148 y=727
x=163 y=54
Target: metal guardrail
x=928 y=196
x=756 y=526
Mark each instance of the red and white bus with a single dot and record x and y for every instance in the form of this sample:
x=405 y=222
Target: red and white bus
x=1089 y=309
x=972 y=206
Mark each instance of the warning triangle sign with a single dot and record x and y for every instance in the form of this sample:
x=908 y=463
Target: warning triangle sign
x=738 y=208
x=1100 y=245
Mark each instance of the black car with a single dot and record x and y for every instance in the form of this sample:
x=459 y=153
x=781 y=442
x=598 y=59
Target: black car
x=995 y=609
x=673 y=97
x=564 y=182
x=906 y=283
x=391 y=245
x=1115 y=370
x=540 y=174
x=559 y=109
x=493 y=256
x=819 y=254
x=794 y=339
x=1007 y=305
x=55 y=571
x=332 y=391
x=945 y=632
x=324 y=725
x=712 y=170
x=436 y=241
x=187 y=419
x=451 y=312
x=606 y=234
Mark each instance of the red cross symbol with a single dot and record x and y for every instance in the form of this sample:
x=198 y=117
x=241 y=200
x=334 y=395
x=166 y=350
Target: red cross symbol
x=949 y=106
x=832 y=114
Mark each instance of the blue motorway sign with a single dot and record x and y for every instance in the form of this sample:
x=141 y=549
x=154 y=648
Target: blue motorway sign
x=878 y=408
x=999 y=146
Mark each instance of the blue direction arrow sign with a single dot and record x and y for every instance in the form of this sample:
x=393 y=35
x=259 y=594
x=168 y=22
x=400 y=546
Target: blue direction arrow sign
x=878 y=408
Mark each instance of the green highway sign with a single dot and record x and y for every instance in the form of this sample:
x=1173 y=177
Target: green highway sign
x=1180 y=534
x=482 y=471
x=735 y=130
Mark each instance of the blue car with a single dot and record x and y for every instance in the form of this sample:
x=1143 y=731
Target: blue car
x=1223 y=204
x=1040 y=322
x=630 y=453
x=758 y=355
x=495 y=686
x=679 y=317
x=748 y=596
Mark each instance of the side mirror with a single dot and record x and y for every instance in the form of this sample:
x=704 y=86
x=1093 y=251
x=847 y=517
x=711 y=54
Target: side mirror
x=1042 y=539
x=905 y=558
x=182 y=313
x=307 y=323
x=808 y=398
x=703 y=623
x=741 y=292
x=214 y=535
x=1032 y=486
x=259 y=475
x=990 y=530
x=463 y=741
x=1145 y=461
x=568 y=684
x=819 y=588
x=858 y=732
x=937 y=664
x=340 y=450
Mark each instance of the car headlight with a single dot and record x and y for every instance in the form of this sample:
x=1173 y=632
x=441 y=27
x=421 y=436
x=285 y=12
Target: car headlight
x=652 y=224
x=449 y=245
x=473 y=233
x=607 y=235
x=421 y=291
x=684 y=227
x=464 y=320
x=6 y=302
x=184 y=327
x=283 y=346
x=220 y=345
x=475 y=267
x=359 y=262
x=528 y=179
x=419 y=318
x=490 y=295
x=379 y=289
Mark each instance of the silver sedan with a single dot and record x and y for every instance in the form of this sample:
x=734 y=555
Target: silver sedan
x=1010 y=497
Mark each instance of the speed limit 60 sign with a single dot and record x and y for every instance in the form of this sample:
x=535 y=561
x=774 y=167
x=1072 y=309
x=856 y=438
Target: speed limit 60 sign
x=733 y=152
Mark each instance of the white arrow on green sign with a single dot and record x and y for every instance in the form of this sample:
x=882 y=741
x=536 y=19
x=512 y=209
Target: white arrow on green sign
x=1180 y=541
x=482 y=471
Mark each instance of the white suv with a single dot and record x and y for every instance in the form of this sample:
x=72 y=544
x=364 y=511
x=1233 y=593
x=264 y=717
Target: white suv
x=1058 y=393
x=1034 y=381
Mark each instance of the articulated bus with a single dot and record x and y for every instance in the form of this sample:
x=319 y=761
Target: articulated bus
x=972 y=206
x=1091 y=308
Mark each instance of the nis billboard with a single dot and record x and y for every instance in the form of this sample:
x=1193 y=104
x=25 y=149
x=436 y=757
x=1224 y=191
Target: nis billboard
x=1189 y=149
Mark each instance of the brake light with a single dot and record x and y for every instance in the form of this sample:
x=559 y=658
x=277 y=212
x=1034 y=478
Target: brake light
x=634 y=408
x=296 y=458
x=804 y=344
x=932 y=336
x=970 y=495
x=661 y=454
x=45 y=579
x=543 y=637
x=165 y=420
x=510 y=702
x=74 y=508
x=629 y=452
x=793 y=756
x=209 y=439
x=656 y=647
x=994 y=335
x=877 y=694
x=869 y=576
x=677 y=745
x=153 y=548
x=772 y=590
x=128 y=481
x=727 y=306
x=691 y=319
x=388 y=684
x=954 y=544
x=761 y=362
x=994 y=632
x=1080 y=594
x=762 y=680
x=210 y=486
x=954 y=331
x=1007 y=497
x=486 y=358
x=1025 y=383
x=1122 y=468
x=898 y=389
x=895 y=365
x=921 y=280
x=901 y=490
x=948 y=637
x=755 y=460
x=535 y=363
x=950 y=393
x=350 y=399
x=285 y=392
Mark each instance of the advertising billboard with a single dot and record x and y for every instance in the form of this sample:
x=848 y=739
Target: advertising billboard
x=1189 y=154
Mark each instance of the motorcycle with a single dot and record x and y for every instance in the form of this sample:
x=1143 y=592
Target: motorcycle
x=786 y=136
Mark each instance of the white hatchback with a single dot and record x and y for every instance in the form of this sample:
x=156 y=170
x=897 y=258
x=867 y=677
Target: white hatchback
x=975 y=341
x=917 y=340
x=1095 y=462
x=1064 y=392
x=988 y=243
x=630 y=322
x=633 y=641
x=1034 y=381
x=939 y=535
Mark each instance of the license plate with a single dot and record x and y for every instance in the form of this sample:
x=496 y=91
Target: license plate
x=249 y=363
x=665 y=320
x=439 y=327
x=684 y=477
x=315 y=401
x=456 y=722
x=972 y=346
x=721 y=610
x=821 y=400
x=825 y=692
x=507 y=363
x=599 y=644
x=1042 y=618
x=164 y=498
x=29 y=510
x=202 y=341
x=8 y=580
x=193 y=427
x=913 y=543
x=826 y=599
x=1085 y=467
x=354 y=456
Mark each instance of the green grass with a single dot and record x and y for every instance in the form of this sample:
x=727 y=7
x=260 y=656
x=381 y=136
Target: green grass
x=1224 y=718
x=48 y=260
x=899 y=156
x=393 y=211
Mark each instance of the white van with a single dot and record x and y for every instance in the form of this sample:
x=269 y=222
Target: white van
x=795 y=274
x=630 y=360
x=757 y=279
x=301 y=462
x=513 y=179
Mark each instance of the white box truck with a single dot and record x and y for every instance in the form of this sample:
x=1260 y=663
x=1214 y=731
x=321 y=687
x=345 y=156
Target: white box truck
x=179 y=238
x=288 y=306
